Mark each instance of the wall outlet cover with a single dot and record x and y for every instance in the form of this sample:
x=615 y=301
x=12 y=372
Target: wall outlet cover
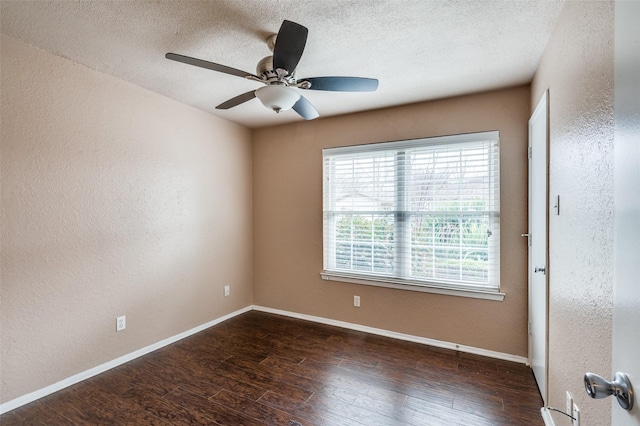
x=121 y=323
x=576 y=415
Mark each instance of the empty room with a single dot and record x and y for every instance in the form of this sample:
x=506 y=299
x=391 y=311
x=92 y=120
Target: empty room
x=278 y=212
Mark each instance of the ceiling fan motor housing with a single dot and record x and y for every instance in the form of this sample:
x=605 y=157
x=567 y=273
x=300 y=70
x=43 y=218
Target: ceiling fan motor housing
x=265 y=70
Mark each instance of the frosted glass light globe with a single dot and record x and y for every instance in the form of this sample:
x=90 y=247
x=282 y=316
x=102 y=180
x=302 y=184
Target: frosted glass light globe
x=278 y=98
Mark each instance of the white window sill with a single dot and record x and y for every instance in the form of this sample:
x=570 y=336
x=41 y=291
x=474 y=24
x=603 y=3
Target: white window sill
x=430 y=288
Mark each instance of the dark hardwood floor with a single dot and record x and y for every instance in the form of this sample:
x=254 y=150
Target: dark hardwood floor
x=258 y=369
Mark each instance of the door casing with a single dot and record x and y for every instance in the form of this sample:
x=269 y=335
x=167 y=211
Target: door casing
x=538 y=244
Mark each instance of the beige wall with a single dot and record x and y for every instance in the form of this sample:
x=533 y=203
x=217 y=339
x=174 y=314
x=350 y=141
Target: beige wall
x=287 y=179
x=115 y=201
x=577 y=68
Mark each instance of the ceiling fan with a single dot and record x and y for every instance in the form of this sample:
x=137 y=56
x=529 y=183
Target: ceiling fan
x=277 y=72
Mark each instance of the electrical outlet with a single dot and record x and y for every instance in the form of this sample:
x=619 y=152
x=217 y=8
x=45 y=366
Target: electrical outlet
x=356 y=301
x=576 y=415
x=227 y=290
x=121 y=323
x=569 y=404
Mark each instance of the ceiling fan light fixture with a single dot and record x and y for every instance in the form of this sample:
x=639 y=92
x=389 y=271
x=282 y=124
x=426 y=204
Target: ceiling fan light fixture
x=277 y=97
x=277 y=72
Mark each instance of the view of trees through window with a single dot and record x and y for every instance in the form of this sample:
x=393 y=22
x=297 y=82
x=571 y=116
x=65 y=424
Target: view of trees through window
x=442 y=247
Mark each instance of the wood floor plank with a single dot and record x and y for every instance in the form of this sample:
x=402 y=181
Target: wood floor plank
x=258 y=411
x=87 y=403
x=165 y=409
x=36 y=413
x=309 y=412
x=437 y=414
x=264 y=369
x=207 y=409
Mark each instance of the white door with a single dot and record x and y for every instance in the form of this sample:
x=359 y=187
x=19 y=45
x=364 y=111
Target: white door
x=538 y=245
x=626 y=308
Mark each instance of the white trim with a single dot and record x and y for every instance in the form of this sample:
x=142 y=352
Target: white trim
x=76 y=378
x=546 y=417
x=399 y=336
x=386 y=282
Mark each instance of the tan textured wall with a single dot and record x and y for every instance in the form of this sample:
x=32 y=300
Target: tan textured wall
x=115 y=201
x=577 y=68
x=287 y=178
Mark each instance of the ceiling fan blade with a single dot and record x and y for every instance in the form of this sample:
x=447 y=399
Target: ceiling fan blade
x=305 y=109
x=237 y=100
x=342 y=84
x=208 y=65
x=289 y=46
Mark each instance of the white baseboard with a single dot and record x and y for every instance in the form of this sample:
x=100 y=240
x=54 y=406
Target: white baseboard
x=76 y=378
x=69 y=381
x=395 y=335
x=546 y=417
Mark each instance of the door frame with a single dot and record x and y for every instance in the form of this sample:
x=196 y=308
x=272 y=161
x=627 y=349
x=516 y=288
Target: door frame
x=541 y=112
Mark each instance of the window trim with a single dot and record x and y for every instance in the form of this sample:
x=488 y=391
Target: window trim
x=425 y=286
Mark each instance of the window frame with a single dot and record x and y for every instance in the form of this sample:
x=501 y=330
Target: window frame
x=382 y=280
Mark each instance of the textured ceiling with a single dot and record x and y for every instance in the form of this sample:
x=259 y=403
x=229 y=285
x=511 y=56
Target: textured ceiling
x=418 y=49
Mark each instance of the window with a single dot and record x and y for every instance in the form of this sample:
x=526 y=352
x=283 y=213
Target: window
x=421 y=213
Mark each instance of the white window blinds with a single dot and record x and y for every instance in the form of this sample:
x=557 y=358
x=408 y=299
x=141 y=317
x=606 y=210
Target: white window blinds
x=419 y=212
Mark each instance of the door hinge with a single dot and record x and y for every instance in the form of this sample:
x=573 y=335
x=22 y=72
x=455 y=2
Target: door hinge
x=529 y=152
x=529 y=329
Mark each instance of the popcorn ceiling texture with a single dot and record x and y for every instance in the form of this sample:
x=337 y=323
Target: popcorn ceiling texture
x=115 y=201
x=418 y=49
x=577 y=67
